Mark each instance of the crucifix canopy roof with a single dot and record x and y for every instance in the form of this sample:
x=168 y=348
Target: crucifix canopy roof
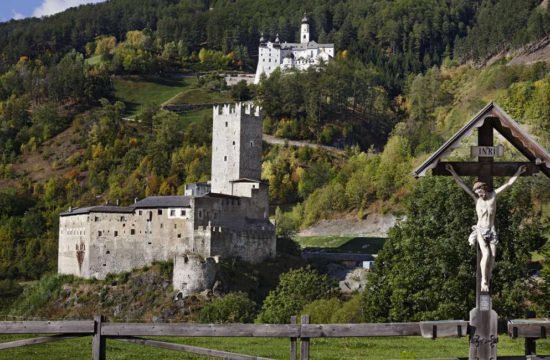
x=506 y=126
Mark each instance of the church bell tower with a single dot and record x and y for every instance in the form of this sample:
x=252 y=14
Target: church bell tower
x=304 y=33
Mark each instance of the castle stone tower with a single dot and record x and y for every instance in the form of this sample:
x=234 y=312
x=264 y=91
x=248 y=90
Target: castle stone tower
x=236 y=146
x=304 y=32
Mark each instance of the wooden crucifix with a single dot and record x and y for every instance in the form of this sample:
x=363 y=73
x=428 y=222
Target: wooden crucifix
x=483 y=319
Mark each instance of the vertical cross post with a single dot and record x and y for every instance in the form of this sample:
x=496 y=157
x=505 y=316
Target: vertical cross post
x=483 y=319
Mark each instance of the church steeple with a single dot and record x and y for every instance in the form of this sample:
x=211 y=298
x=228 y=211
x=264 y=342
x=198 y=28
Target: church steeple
x=304 y=33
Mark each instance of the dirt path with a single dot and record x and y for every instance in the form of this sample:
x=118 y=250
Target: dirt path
x=270 y=139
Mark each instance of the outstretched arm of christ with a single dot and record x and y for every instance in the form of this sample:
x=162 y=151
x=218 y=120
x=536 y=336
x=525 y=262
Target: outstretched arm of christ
x=459 y=181
x=512 y=180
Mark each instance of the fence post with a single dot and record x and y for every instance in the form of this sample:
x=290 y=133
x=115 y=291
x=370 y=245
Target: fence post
x=98 y=342
x=293 y=340
x=305 y=341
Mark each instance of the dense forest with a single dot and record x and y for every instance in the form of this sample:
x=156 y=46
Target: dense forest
x=402 y=82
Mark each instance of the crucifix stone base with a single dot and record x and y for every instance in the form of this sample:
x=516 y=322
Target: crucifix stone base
x=483 y=331
x=483 y=323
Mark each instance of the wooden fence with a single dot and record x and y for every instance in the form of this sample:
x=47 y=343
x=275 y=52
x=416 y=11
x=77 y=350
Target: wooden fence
x=131 y=332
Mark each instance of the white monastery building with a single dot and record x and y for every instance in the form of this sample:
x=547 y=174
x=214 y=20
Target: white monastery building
x=286 y=56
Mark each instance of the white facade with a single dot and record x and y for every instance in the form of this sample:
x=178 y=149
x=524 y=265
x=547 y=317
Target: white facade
x=286 y=56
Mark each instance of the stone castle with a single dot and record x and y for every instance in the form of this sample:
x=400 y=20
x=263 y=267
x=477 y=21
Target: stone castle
x=286 y=56
x=225 y=218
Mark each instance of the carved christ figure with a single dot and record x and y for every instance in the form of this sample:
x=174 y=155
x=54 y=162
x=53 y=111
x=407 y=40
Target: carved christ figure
x=484 y=231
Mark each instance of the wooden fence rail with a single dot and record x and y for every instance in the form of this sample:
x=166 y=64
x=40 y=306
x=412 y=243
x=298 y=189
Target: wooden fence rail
x=100 y=330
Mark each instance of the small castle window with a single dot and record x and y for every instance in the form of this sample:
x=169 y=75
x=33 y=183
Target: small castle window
x=140 y=212
x=108 y=252
x=132 y=231
x=160 y=211
x=200 y=214
x=225 y=158
x=182 y=212
x=96 y=218
x=99 y=233
x=116 y=233
x=179 y=236
x=161 y=226
x=233 y=143
x=172 y=212
x=252 y=143
x=149 y=243
x=226 y=124
x=175 y=226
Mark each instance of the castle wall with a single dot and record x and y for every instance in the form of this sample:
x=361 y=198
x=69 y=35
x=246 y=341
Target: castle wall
x=253 y=246
x=122 y=242
x=239 y=228
x=250 y=163
x=74 y=245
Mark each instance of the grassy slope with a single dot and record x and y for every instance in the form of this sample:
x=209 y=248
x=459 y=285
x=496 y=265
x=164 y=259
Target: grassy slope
x=369 y=245
x=346 y=348
x=137 y=92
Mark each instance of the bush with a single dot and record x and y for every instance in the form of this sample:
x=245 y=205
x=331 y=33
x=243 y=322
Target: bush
x=232 y=308
x=350 y=312
x=296 y=288
x=321 y=311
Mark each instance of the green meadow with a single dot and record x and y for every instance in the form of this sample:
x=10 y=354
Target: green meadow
x=344 y=348
x=354 y=244
x=139 y=92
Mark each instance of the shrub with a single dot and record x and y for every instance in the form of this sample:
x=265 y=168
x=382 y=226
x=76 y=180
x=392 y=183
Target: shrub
x=351 y=311
x=296 y=288
x=232 y=308
x=321 y=311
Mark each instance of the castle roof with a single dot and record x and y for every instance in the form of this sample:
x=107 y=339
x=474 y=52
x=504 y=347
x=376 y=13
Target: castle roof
x=305 y=19
x=246 y=180
x=225 y=196
x=163 y=202
x=98 y=209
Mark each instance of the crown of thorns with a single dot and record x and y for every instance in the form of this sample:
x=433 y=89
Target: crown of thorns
x=480 y=185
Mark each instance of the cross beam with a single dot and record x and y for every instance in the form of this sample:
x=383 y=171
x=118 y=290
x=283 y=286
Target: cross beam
x=508 y=168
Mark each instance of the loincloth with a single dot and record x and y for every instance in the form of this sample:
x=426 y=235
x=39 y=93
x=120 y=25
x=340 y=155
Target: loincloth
x=489 y=235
